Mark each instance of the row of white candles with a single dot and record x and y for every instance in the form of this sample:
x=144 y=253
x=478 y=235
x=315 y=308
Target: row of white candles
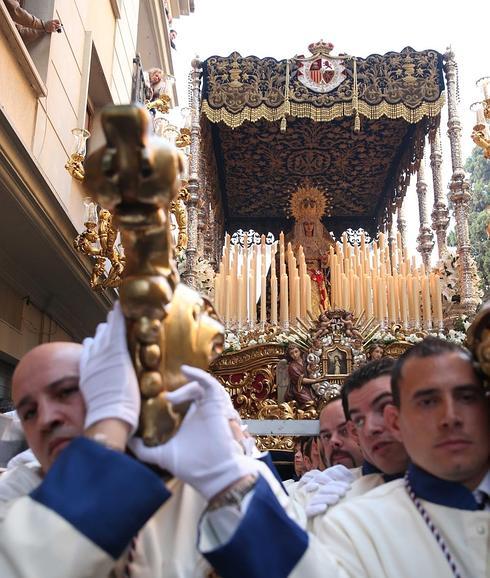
x=373 y=280
x=242 y=278
x=386 y=285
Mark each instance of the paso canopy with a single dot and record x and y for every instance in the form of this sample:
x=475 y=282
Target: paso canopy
x=354 y=127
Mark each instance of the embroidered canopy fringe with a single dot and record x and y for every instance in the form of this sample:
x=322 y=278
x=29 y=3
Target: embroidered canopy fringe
x=303 y=110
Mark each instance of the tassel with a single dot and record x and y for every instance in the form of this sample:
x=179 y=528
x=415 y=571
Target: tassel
x=357 y=122
x=284 y=124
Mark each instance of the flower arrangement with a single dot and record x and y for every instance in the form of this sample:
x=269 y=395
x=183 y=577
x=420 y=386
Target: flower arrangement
x=235 y=341
x=448 y=270
x=455 y=335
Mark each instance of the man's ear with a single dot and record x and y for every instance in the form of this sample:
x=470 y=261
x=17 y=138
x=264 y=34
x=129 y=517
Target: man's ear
x=352 y=430
x=391 y=415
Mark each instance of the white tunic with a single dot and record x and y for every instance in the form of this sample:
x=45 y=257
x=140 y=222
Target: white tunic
x=378 y=535
x=164 y=547
x=79 y=519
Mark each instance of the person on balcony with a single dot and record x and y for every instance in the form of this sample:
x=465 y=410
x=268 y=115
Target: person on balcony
x=30 y=27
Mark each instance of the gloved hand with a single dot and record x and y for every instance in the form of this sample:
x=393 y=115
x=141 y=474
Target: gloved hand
x=308 y=478
x=108 y=381
x=244 y=442
x=230 y=411
x=202 y=452
x=327 y=495
x=314 y=479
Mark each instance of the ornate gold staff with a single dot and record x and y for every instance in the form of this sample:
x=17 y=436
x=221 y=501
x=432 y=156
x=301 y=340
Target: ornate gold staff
x=136 y=177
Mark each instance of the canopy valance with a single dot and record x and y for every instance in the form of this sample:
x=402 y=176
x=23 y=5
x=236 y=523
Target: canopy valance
x=322 y=87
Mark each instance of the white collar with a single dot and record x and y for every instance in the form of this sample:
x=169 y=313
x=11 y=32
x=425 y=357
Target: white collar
x=484 y=485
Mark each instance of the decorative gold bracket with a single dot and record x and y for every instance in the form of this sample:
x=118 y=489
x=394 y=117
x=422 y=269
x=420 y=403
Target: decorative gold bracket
x=98 y=241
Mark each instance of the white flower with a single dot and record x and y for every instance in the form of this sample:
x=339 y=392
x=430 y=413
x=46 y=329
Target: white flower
x=412 y=338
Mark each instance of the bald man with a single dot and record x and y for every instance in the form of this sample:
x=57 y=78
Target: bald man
x=79 y=404
x=42 y=504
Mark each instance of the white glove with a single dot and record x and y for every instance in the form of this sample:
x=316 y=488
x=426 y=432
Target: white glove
x=202 y=452
x=327 y=495
x=315 y=479
x=309 y=478
x=244 y=443
x=107 y=378
x=24 y=458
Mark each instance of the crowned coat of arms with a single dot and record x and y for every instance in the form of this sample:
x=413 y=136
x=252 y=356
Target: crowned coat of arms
x=320 y=72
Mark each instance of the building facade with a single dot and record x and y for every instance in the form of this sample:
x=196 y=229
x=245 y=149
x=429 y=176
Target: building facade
x=48 y=88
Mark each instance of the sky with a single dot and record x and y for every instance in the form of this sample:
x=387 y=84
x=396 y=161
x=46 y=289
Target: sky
x=283 y=28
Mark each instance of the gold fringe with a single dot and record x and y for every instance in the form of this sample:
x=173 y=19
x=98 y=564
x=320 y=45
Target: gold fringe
x=304 y=110
x=355 y=97
x=287 y=108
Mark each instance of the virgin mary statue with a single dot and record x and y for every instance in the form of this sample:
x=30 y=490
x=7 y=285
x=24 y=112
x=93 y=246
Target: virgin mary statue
x=307 y=207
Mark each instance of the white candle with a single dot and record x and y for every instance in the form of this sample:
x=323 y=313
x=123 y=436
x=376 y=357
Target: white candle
x=274 y=300
x=308 y=294
x=228 y=298
x=297 y=304
x=284 y=313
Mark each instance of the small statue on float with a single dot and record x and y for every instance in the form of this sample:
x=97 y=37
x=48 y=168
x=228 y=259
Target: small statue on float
x=307 y=206
x=336 y=321
x=98 y=240
x=303 y=388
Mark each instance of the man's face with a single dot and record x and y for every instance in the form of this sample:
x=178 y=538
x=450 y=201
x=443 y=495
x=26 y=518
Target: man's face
x=299 y=467
x=378 y=444
x=48 y=400
x=339 y=444
x=443 y=418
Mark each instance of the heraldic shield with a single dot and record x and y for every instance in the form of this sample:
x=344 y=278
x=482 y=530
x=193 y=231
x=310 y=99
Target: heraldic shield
x=320 y=72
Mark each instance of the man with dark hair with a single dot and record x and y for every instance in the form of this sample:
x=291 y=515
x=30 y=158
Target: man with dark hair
x=365 y=395
x=441 y=507
x=429 y=347
x=441 y=415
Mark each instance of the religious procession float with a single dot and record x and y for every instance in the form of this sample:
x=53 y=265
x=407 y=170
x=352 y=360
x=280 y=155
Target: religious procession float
x=288 y=231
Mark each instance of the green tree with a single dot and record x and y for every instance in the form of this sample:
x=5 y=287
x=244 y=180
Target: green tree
x=479 y=171
x=451 y=238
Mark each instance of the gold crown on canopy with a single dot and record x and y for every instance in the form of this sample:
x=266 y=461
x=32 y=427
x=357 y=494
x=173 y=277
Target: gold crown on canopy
x=321 y=46
x=308 y=202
